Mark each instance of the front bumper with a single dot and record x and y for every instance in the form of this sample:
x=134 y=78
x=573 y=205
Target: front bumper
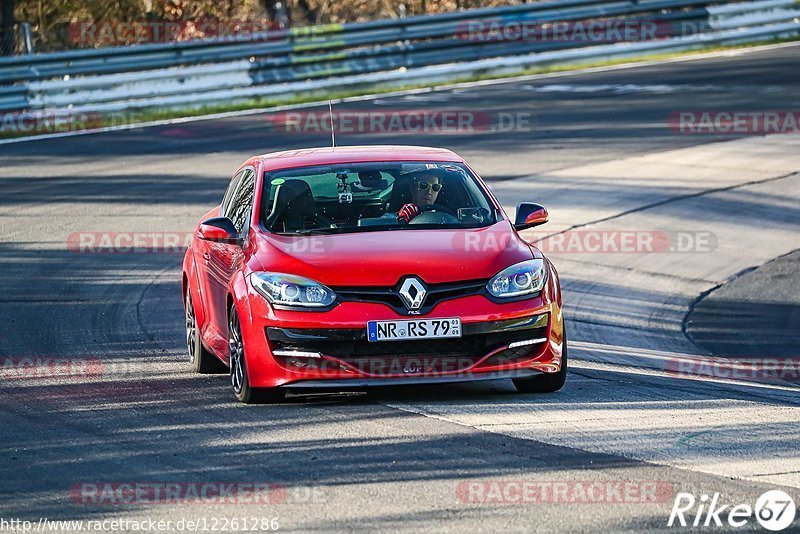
x=346 y=353
x=341 y=352
x=364 y=383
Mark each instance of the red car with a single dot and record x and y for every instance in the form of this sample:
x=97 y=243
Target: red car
x=353 y=267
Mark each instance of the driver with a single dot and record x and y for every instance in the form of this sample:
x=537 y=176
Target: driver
x=425 y=188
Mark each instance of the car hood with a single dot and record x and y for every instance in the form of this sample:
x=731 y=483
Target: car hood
x=381 y=258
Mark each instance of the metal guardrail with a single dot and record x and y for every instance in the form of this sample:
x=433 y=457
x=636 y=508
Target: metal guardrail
x=302 y=46
x=377 y=52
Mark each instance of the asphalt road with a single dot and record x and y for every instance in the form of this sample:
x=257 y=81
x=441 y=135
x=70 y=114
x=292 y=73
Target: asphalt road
x=600 y=154
x=755 y=315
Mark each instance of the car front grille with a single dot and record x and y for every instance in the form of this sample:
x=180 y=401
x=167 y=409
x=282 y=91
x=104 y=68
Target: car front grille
x=390 y=296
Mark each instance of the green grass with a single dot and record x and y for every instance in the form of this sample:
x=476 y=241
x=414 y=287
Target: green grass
x=150 y=114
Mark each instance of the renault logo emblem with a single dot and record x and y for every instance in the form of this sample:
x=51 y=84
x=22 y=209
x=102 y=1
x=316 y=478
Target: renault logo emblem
x=413 y=293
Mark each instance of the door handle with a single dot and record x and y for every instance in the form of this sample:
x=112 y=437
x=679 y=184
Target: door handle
x=206 y=256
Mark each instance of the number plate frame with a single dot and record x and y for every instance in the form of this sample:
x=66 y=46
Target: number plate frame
x=398 y=330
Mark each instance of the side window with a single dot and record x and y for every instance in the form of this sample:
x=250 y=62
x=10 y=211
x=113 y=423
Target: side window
x=241 y=203
x=226 y=200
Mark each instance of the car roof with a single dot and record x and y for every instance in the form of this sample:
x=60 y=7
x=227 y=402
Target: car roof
x=354 y=154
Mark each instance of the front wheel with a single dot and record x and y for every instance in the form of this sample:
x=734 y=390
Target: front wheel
x=546 y=382
x=238 y=366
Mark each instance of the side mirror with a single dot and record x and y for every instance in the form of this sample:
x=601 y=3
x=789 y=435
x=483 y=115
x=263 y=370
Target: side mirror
x=530 y=215
x=219 y=230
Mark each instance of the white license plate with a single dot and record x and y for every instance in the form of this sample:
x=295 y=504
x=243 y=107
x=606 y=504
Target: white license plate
x=414 y=329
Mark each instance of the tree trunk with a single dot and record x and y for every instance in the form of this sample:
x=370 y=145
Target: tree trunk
x=309 y=14
x=7 y=42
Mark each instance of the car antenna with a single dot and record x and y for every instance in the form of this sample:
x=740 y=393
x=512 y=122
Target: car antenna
x=330 y=114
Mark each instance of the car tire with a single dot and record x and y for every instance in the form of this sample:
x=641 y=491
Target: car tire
x=242 y=390
x=546 y=382
x=200 y=359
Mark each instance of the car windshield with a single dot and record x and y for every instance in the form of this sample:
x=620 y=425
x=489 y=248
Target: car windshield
x=365 y=197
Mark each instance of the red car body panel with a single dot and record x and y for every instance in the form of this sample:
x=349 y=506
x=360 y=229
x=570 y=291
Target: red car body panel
x=438 y=255
x=217 y=274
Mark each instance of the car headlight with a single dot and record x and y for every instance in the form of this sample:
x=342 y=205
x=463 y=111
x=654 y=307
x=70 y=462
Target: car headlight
x=524 y=278
x=291 y=290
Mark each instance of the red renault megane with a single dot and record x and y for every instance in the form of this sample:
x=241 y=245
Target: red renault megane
x=353 y=267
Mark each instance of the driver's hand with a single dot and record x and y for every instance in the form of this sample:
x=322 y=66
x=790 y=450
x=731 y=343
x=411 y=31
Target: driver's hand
x=407 y=212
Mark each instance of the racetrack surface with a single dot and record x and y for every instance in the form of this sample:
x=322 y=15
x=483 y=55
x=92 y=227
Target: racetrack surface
x=600 y=155
x=755 y=315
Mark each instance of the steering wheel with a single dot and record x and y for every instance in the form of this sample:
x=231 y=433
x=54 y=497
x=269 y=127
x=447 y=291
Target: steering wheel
x=435 y=214
x=438 y=207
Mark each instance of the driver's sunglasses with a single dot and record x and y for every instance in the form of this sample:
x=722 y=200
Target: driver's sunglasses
x=423 y=186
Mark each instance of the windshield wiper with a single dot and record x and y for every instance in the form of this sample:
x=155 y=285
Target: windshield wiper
x=310 y=231
x=382 y=228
